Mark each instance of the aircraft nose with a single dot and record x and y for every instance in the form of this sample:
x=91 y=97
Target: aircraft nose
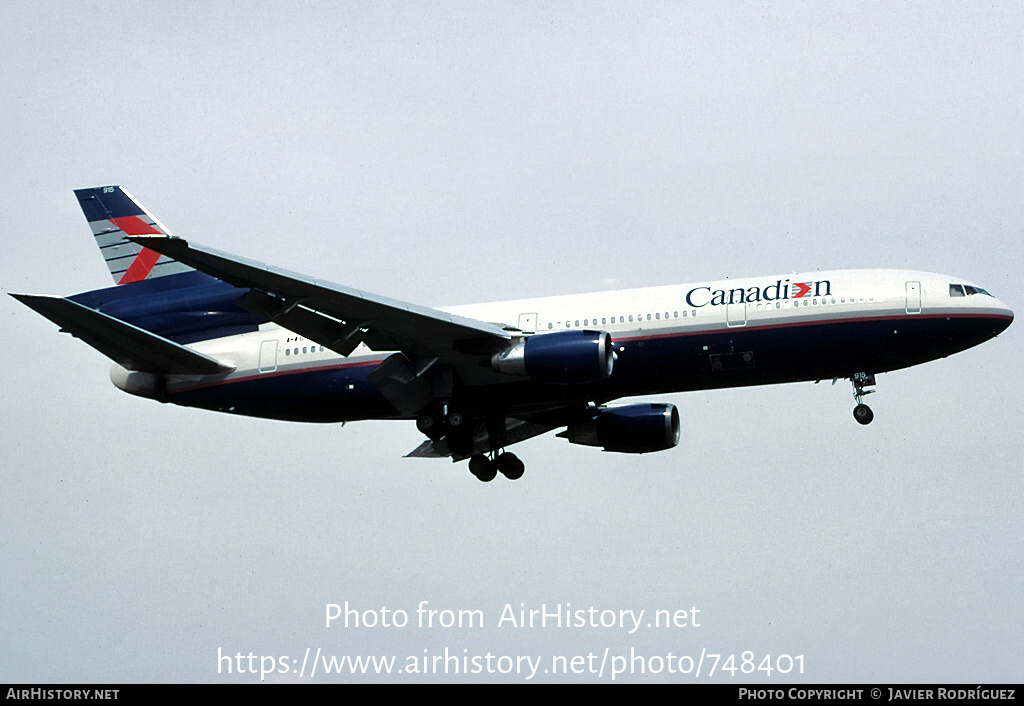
x=1009 y=319
x=1005 y=317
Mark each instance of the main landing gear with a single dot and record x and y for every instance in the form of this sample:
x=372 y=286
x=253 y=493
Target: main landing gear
x=457 y=430
x=486 y=469
x=862 y=413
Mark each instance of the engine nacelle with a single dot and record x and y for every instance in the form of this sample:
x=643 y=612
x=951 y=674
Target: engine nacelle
x=565 y=357
x=631 y=429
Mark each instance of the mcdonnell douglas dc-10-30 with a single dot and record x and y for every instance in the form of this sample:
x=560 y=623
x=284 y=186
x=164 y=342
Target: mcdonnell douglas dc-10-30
x=196 y=327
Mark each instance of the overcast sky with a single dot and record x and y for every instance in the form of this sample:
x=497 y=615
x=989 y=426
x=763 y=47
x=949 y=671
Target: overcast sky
x=447 y=153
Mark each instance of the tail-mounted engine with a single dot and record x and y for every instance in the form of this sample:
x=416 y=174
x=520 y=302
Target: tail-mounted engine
x=565 y=357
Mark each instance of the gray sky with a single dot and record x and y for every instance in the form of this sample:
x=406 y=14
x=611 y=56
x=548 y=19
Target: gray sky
x=456 y=152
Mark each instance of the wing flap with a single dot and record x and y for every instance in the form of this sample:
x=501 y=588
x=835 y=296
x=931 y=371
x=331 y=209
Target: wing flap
x=129 y=346
x=340 y=336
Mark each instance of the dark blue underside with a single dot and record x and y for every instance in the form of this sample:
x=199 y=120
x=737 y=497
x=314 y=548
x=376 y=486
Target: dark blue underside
x=185 y=307
x=728 y=358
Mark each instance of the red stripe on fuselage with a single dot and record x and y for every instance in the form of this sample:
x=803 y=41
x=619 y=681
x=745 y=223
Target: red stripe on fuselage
x=810 y=322
x=276 y=373
x=626 y=339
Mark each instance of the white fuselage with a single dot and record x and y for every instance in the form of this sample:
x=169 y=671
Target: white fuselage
x=774 y=301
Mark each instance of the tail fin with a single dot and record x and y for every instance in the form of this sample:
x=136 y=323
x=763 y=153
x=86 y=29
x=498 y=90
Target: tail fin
x=112 y=214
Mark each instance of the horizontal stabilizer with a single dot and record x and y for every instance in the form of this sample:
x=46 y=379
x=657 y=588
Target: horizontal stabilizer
x=129 y=346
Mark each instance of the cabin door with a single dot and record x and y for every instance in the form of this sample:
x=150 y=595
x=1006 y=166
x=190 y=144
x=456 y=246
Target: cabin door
x=268 y=356
x=736 y=314
x=913 y=297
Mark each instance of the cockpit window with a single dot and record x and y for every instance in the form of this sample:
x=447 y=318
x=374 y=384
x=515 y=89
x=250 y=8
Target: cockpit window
x=962 y=290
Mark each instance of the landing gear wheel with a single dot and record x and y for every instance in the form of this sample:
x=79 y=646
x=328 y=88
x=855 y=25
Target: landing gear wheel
x=510 y=466
x=456 y=420
x=482 y=468
x=430 y=425
x=861 y=381
x=863 y=414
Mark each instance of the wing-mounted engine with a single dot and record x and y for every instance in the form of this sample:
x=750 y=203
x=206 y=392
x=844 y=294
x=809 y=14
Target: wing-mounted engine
x=565 y=357
x=633 y=429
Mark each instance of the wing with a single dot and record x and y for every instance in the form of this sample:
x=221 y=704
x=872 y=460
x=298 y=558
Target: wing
x=129 y=346
x=339 y=317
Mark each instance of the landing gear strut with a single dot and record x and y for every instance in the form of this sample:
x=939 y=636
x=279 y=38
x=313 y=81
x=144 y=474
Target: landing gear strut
x=862 y=413
x=485 y=469
x=440 y=421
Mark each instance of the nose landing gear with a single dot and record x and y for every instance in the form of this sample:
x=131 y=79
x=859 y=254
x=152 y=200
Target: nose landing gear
x=862 y=413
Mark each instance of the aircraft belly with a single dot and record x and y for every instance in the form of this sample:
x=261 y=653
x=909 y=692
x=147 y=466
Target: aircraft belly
x=815 y=351
x=310 y=395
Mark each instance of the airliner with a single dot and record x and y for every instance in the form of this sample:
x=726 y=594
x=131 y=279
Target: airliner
x=193 y=326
